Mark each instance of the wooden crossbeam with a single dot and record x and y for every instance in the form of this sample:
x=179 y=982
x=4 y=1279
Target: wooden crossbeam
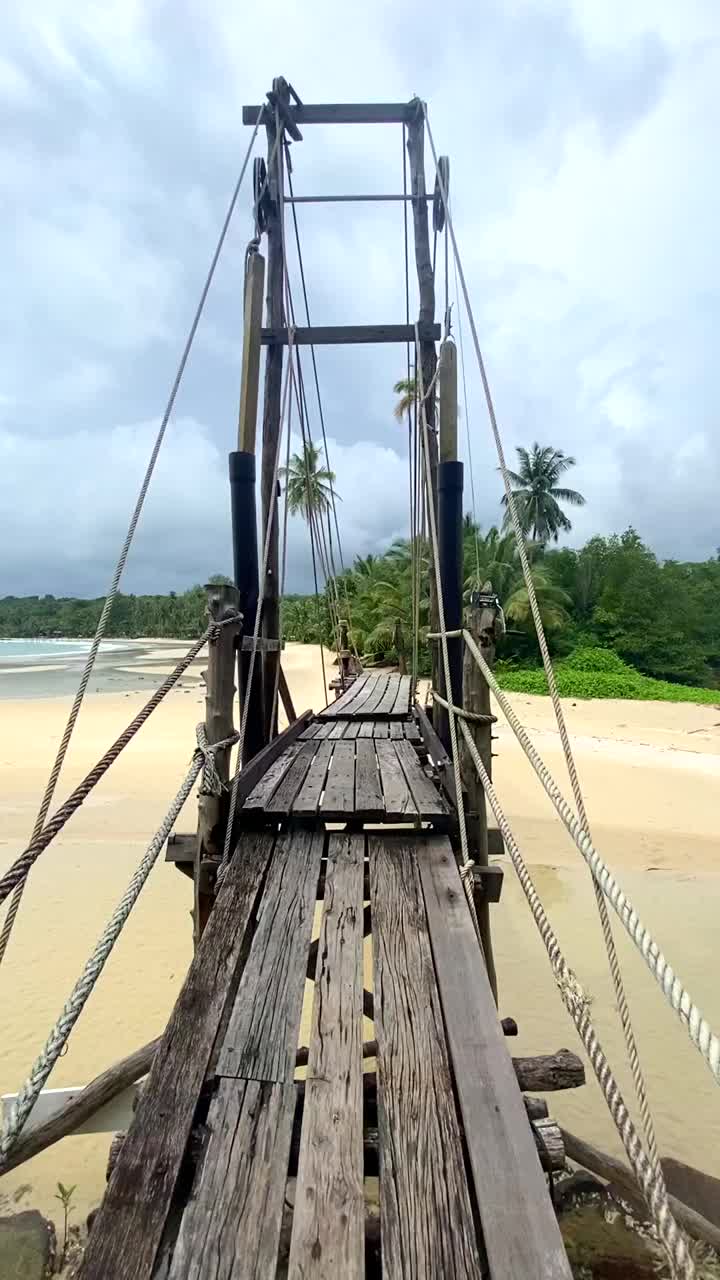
x=350 y=334
x=339 y=113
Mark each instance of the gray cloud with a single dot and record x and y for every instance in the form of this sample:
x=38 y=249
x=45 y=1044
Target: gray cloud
x=585 y=208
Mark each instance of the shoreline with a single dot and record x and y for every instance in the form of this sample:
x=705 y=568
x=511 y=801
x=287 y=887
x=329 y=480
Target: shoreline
x=649 y=773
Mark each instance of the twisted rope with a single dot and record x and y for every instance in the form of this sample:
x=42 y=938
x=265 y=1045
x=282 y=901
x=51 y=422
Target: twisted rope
x=117 y=574
x=698 y=1029
x=17 y=874
x=578 y=1006
x=203 y=758
x=623 y=1007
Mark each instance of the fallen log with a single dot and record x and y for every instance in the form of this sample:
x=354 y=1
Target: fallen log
x=613 y=1170
x=548 y=1072
x=95 y=1095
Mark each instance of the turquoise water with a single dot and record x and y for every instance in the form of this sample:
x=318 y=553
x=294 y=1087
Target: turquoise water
x=34 y=650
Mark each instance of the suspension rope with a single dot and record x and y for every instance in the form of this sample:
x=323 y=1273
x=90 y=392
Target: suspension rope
x=624 y=1010
x=203 y=758
x=578 y=1006
x=17 y=873
x=117 y=574
x=698 y=1029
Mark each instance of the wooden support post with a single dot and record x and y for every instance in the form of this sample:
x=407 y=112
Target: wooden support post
x=480 y=621
x=450 y=538
x=250 y=379
x=428 y=356
x=272 y=406
x=447 y=382
x=219 y=694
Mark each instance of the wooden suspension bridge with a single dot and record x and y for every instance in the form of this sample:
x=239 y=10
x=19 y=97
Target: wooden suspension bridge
x=200 y=1184
x=350 y=852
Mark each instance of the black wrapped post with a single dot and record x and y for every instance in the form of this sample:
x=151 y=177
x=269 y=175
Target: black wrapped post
x=450 y=540
x=245 y=559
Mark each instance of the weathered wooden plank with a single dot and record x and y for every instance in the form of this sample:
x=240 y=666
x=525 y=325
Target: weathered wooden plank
x=438 y=755
x=347 y=696
x=520 y=1230
x=369 y=803
x=261 y=1036
x=340 y=113
x=293 y=780
x=381 y=729
x=366 y=728
x=351 y=728
x=411 y=731
x=231 y=1226
x=423 y=1236
x=349 y=706
x=402 y=698
x=428 y=800
x=399 y=803
x=397 y=729
x=306 y=803
x=127 y=1232
x=387 y=702
x=346 y=334
x=338 y=730
x=311 y=731
x=376 y=696
x=339 y=796
x=325 y=728
x=263 y=792
x=328 y=1225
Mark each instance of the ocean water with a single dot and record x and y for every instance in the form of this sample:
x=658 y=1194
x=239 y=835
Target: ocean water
x=33 y=650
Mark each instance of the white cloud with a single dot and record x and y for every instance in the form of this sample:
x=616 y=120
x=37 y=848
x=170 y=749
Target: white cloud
x=585 y=207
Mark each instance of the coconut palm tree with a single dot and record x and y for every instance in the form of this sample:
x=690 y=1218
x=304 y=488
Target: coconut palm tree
x=406 y=389
x=538 y=496
x=308 y=485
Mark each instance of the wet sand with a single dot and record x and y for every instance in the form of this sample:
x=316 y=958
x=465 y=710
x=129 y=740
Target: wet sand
x=650 y=773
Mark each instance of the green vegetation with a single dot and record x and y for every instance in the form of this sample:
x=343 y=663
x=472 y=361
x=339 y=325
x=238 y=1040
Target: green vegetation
x=620 y=623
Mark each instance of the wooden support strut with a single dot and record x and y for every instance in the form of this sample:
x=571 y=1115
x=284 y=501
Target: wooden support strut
x=272 y=407
x=219 y=692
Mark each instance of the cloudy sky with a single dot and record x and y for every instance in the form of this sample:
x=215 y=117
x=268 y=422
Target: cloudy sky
x=583 y=140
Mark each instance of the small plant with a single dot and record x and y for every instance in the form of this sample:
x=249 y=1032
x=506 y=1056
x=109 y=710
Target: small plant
x=64 y=1195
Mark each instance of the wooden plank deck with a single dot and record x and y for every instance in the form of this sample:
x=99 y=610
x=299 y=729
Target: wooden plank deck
x=460 y=1187
x=351 y=769
x=380 y=694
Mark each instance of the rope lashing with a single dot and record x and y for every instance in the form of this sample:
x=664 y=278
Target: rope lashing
x=18 y=872
x=478 y=717
x=576 y=1002
x=203 y=759
x=698 y=1028
x=613 y=961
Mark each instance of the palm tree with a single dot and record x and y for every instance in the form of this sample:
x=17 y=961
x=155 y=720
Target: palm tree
x=309 y=487
x=537 y=495
x=406 y=389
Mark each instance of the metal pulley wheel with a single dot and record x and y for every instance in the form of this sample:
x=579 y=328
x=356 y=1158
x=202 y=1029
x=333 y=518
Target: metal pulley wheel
x=438 y=203
x=261 y=193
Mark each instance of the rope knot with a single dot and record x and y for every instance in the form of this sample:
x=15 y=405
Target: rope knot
x=211 y=784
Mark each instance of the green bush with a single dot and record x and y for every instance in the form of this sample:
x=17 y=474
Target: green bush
x=600 y=673
x=597 y=659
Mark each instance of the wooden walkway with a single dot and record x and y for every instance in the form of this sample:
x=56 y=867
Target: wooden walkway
x=235 y=1168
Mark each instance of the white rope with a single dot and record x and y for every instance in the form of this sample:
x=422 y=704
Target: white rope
x=578 y=1006
x=623 y=1007
x=203 y=758
x=698 y=1028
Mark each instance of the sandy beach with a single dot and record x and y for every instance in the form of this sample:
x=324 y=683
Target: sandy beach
x=650 y=773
